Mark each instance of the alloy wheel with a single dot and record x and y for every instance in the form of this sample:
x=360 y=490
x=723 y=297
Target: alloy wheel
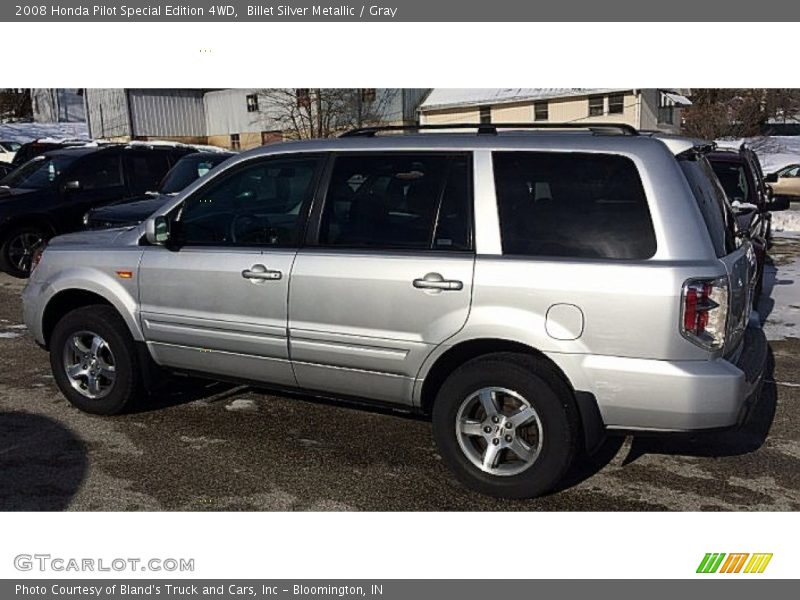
x=89 y=364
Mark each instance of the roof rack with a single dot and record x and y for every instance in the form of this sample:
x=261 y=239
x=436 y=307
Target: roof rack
x=491 y=128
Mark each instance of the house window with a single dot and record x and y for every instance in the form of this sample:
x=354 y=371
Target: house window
x=485 y=114
x=252 y=103
x=235 y=143
x=367 y=95
x=540 y=112
x=303 y=97
x=271 y=137
x=616 y=104
x=666 y=110
x=596 y=106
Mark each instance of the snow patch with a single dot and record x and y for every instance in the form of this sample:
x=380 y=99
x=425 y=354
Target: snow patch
x=27 y=132
x=774 y=151
x=782 y=305
x=242 y=404
x=786 y=221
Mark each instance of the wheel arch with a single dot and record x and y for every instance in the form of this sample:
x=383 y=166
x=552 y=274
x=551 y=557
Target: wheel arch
x=431 y=380
x=28 y=220
x=69 y=299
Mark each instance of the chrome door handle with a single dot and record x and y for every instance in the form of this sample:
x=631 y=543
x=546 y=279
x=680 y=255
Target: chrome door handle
x=258 y=273
x=434 y=281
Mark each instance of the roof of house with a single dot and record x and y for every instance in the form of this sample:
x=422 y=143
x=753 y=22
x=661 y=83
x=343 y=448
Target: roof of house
x=441 y=98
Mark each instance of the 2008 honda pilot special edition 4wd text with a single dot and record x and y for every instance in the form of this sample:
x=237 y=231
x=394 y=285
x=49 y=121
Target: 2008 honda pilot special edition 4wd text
x=531 y=291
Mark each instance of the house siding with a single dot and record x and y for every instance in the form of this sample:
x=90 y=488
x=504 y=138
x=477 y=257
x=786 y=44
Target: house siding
x=159 y=113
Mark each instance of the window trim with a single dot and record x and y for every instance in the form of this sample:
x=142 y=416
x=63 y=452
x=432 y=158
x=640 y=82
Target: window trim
x=251 y=107
x=314 y=223
x=175 y=212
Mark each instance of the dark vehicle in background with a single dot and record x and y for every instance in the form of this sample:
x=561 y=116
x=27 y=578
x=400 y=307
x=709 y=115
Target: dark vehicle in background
x=5 y=169
x=38 y=147
x=135 y=210
x=49 y=195
x=739 y=172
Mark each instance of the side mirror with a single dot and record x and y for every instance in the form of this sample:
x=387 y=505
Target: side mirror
x=157 y=230
x=779 y=203
x=771 y=178
x=72 y=186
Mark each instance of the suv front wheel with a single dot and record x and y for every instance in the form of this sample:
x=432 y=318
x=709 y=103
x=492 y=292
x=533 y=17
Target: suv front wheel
x=94 y=360
x=506 y=425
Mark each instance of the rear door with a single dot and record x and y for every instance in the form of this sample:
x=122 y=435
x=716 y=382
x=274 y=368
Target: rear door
x=387 y=275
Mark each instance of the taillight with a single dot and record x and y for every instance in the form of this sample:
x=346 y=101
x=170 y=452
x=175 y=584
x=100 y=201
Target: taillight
x=704 y=312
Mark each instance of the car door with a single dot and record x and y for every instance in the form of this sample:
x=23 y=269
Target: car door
x=94 y=180
x=387 y=273
x=216 y=301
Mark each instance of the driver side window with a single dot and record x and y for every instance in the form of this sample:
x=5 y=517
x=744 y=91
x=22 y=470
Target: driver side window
x=261 y=204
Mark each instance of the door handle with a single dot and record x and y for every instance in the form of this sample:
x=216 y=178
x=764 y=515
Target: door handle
x=434 y=281
x=260 y=273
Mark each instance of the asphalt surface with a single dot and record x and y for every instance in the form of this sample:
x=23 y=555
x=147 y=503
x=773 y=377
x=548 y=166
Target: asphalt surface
x=203 y=446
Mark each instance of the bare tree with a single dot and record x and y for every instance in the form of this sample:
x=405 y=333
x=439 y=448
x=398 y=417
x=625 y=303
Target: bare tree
x=15 y=104
x=304 y=113
x=719 y=113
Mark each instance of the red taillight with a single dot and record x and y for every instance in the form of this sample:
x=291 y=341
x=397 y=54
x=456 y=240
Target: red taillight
x=704 y=311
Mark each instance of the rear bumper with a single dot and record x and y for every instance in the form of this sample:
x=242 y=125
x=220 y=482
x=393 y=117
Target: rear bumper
x=651 y=395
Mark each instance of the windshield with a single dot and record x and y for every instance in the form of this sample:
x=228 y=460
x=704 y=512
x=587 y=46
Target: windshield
x=10 y=146
x=734 y=181
x=185 y=172
x=38 y=174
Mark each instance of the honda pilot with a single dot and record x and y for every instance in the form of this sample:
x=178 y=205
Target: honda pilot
x=529 y=291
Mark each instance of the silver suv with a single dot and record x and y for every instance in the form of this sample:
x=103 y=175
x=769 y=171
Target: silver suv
x=530 y=291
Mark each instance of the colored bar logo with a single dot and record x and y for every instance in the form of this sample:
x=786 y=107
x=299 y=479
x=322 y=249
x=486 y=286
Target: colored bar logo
x=719 y=562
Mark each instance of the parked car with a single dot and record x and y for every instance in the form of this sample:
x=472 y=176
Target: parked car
x=739 y=173
x=133 y=211
x=7 y=150
x=49 y=194
x=38 y=147
x=786 y=182
x=529 y=291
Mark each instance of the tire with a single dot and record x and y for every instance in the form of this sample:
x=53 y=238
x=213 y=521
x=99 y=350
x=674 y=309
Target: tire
x=555 y=423
x=20 y=240
x=111 y=395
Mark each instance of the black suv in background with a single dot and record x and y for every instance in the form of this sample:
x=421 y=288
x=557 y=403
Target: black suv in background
x=132 y=211
x=49 y=194
x=740 y=174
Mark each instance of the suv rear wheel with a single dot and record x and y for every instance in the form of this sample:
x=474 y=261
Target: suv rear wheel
x=506 y=425
x=94 y=360
x=18 y=247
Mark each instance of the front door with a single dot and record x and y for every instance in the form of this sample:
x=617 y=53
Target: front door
x=216 y=302
x=388 y=274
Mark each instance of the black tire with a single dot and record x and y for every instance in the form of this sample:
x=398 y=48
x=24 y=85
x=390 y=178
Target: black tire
x=106 y=322
x=540 y=384
x=9 y=263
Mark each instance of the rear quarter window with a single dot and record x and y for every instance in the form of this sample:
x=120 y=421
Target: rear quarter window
x=712 y=203
x=579 y=205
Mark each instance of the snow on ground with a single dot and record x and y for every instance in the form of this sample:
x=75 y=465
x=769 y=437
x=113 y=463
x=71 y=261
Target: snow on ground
x=786 y=221
x=27 y=132
x=779 y=306
x=774 y=152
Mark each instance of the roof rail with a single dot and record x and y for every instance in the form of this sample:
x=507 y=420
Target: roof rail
x=492 y=128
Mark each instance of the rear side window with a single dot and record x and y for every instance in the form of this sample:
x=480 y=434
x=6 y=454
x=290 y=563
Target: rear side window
x=712 y=202
x=578 y=205
x=398 y=201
